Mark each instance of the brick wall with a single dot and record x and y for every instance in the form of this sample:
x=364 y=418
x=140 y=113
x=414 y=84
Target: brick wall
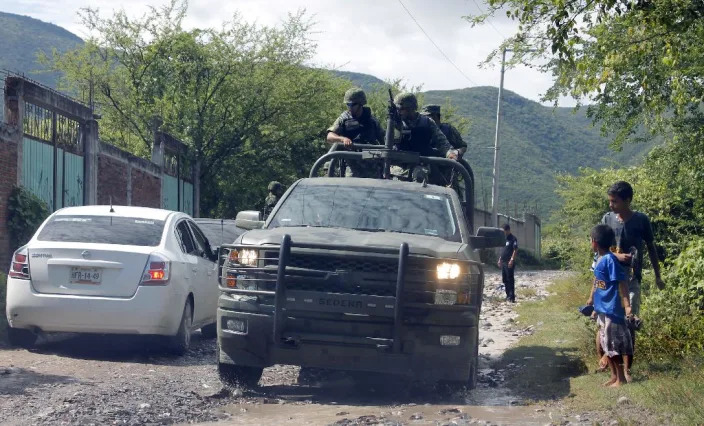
x=8 y=179
x=146 y=189
x=112 y=181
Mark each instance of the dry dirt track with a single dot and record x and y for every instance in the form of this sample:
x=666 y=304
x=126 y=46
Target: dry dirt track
x=101 y=380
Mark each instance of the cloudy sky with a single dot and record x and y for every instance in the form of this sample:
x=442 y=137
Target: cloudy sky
x=378 y=37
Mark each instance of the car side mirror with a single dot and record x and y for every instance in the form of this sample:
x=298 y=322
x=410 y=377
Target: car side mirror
x=488 y=237
x=249 y=219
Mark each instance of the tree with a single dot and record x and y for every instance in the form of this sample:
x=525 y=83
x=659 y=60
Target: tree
x=235 y=95
x=638 y=62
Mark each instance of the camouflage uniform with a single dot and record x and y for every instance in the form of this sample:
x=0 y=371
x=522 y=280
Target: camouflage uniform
x=276 y=190
x=421 y=135
x=363 y=130
x=451 y=133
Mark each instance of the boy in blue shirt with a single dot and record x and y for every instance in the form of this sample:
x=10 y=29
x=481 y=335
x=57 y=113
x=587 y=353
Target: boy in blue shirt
x=612 y=305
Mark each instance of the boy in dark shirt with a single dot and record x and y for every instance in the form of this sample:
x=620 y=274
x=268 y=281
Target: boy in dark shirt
x=632 y=231
x=611 y=303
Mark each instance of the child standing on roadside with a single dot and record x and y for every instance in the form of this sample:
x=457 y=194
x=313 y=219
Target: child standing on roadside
x=611 y=303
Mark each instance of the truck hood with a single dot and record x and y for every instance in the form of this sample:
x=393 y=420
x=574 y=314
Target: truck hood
x=418 y=244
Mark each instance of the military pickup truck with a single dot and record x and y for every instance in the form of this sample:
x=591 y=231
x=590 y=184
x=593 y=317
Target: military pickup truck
x=373 y=275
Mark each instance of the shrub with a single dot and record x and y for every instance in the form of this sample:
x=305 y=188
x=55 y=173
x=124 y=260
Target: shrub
x=675 y=317
x=25 y=213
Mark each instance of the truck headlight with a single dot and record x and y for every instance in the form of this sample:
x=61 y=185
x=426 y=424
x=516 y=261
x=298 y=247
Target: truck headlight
x=248 y=257
x=448 y=271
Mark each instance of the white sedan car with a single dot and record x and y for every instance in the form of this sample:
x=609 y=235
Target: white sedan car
x=114 y=269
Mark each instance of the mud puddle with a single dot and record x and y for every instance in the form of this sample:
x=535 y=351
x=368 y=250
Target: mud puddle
x=287 y=395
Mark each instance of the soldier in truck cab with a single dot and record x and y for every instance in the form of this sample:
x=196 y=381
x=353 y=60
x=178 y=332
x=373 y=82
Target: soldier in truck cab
x=357 y=125
x=276 y=190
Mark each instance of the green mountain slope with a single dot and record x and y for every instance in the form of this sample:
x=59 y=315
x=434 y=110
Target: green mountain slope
x=22 y=38
x=365 y=81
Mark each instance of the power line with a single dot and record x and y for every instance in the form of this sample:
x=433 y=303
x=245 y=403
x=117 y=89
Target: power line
x=435 y=44
x=490 y=23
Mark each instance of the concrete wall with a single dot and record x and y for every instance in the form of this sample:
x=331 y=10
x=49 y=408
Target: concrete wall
x=110 y=174
x=128 y=179
x=527 y=229
x=8 y=179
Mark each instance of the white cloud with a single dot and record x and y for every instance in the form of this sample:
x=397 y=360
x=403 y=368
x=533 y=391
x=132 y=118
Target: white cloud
x=377 y=37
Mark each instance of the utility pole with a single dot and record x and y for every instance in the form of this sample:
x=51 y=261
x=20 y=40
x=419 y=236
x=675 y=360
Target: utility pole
x=495 y=181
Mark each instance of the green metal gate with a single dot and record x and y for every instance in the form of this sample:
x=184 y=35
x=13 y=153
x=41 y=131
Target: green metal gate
x=176 y=188
x=52 y=160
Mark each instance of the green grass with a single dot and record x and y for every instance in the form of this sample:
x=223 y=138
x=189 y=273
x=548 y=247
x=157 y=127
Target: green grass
x=558 y=362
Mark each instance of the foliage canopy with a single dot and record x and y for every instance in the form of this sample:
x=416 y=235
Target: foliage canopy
x=239 y=96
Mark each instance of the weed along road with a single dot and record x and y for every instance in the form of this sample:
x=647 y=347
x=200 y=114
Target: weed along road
x=106 y=380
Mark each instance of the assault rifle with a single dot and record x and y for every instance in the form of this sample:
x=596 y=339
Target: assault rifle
x=393 y=122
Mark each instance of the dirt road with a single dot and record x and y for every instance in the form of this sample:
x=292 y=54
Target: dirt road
x=104 y=380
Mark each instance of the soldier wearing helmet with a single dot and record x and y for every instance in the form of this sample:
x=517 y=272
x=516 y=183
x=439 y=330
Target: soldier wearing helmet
x=451 y=133
x=420 y=133
x=276 y=190
x=357 y=125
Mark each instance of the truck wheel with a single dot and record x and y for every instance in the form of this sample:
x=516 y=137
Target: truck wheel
x=180 y=343
x=21 y=338
x=238 y=375
x=472 y=382
x=209 y=331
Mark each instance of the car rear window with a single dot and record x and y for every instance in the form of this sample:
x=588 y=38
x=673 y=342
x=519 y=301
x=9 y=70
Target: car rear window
x=219 y=233
x=133 y=231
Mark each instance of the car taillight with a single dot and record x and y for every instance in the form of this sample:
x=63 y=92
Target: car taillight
x=156 y=271
x=19 y=268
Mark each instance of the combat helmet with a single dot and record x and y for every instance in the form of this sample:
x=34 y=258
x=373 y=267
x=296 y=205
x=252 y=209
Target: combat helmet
x=407 y=100
x=275 y=187
x=355 y=95
x=431 y=109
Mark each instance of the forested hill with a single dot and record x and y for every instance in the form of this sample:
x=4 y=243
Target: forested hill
x=536 y=141
x=22 y=38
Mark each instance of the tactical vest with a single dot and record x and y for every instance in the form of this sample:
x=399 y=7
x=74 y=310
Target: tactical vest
x=418 y=139
x=362 y=130
x=445 y=129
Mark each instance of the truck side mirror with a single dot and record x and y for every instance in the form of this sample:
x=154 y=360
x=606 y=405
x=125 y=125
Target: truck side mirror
x=488 y=237
x=249 y=219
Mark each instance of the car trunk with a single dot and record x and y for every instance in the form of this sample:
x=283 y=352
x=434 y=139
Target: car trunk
x=85 y=269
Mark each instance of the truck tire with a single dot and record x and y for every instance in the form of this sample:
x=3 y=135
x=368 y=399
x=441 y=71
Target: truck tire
x=238 y=375
x=181 y=342
x=209 y=331
x=21 y=338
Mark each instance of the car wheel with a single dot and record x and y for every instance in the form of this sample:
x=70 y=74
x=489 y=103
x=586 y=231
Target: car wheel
x=474 y=366
x=20 y=337
x=209 y=331
x=180 y=343
x=238 y=375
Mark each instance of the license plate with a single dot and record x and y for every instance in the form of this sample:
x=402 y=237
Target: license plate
x=86 y=275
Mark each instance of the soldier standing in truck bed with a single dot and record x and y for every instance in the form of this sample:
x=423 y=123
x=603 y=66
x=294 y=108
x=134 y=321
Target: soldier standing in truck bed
x=451 y=133
x=357 y=125
x=420 y=134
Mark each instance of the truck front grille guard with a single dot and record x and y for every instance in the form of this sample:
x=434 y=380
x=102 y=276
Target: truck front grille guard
x=262 y=275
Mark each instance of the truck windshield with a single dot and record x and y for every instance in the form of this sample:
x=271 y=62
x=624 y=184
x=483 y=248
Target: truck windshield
x=368 y=209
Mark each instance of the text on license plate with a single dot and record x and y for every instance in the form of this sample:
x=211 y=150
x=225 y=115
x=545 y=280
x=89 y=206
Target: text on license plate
x=86 y=275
